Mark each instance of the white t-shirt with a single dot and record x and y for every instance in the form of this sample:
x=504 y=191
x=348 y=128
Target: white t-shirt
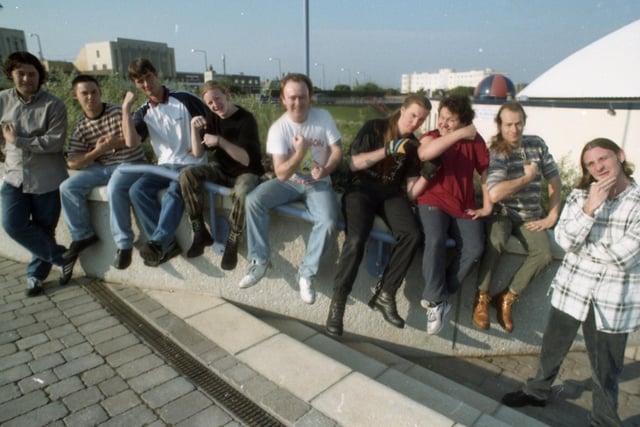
x=319 y=128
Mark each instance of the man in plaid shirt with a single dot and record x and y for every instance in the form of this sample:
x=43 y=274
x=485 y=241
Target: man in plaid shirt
x=598 y=284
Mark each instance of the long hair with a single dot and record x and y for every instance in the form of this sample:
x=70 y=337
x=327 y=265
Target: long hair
x=587 y=179
x=392 y=130
x=16 y=59
x=498 y=143
x=459 y=105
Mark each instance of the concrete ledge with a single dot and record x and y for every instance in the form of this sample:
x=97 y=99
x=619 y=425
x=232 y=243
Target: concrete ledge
x=277 y=293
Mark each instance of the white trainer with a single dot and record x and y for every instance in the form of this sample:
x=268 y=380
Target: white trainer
x=253 y=276
x=307 y=293
x=435 y=317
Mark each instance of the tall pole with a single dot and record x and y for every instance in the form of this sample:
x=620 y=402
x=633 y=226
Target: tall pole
x=37 y=36
x=306 y=35
x=318 y=64
x=224 y=65
x=204 y=52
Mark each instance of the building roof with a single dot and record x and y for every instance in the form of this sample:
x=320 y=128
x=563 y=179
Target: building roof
x=607 y=68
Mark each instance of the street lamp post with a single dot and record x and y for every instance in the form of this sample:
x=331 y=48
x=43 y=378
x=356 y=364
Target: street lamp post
x=318 y=64
x=204 y=52
x=224 y=65
x=364 y=77
x=349 y=74
x=37 y=36
x=271 y=58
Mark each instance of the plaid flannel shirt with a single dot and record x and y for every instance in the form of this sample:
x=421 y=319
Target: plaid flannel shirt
x=602 y=261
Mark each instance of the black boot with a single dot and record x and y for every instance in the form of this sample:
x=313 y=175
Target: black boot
x=386 y=304
x=201 y=238
x=230 y=255
x=336 y=313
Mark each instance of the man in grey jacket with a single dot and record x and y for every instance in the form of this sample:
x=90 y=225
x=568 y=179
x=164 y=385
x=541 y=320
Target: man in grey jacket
x=34 y=126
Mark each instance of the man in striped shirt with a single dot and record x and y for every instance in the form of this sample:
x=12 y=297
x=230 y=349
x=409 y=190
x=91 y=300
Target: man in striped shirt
x=96 y=150
x=598 y=284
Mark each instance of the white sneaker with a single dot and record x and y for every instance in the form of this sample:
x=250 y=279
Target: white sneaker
x=307 y=293
x=255 y=273
x=435 y=317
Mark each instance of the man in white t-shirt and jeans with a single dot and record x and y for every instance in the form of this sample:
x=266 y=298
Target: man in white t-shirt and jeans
x=306 y=148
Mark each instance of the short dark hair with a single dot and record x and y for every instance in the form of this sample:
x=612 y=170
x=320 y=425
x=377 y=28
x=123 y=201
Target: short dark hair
x=16 y=59
x=459 y=105
x=84 y=78
x=139 y=67
x=296 y=77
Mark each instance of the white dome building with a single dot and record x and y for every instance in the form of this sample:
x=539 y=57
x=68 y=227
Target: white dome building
x=607 y=68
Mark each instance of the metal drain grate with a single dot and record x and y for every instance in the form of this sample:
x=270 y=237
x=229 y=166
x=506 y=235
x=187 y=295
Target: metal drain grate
x=237 y=404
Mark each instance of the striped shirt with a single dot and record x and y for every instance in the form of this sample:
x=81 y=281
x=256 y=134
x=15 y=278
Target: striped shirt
x=602 y=261
x=88 y=130
x=523 y=205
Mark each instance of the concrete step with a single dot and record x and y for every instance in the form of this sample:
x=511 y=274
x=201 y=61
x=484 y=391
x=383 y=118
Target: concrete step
x=432 y=390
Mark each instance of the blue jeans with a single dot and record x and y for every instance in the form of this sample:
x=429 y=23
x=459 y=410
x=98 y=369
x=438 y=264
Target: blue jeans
x=158 y=219
x=30 y=220
x=73 y=196
x=444 y=278
x=321 y=203
x=606 y=356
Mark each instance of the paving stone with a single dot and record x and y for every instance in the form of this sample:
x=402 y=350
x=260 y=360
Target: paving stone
x=98 y=325
x=112 y=346
x=76 y=351
x=22 y=405
x=212 y=416
x=60 y=331
x=112 y=386
x=45 y=316
x=70 y=300
x=52 y=346
x=184 y=407
x=258 y=387
x=78 y=365
x=39 y=306
x=83 y=309
x=9 y=336
x=31 y=341
x=83 y=398
x=139 y=366
x=97 y=375
x=17 y=323
x=239 y=374
x=14 y=374
x=127 y=355
x=8 y=392
x=64 y=387
x=166 y=392
x=44 y=415
x=120 y=402
x=139 y=415
x=91 y=416
x=15 y=359
x=37 y=381
x=153 y=378
x=107 y=334
x=72 y=339
x=54 y=322
x=6 y=349
x=285 y=405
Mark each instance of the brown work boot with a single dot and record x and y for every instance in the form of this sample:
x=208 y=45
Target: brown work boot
x=503 y=302
x=481 y=310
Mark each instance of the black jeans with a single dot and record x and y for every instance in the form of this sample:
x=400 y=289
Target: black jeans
x=359 y=208
x=606 y=355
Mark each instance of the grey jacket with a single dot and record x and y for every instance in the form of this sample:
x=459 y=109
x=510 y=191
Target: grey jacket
x=36 y=160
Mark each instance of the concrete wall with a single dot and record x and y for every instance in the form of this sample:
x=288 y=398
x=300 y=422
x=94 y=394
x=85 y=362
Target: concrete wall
x=277 y=293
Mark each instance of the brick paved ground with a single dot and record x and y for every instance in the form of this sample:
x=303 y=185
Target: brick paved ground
x=65 y=361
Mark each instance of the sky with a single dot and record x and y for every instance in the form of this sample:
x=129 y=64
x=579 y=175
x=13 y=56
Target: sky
x=350 y=40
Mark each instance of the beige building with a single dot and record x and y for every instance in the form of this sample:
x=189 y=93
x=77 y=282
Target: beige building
x=113 y=57
x=10 y=41
x=444 y=79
